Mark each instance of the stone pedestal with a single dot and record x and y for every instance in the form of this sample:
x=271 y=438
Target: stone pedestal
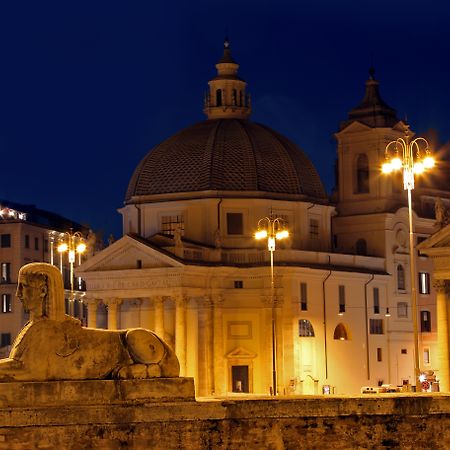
x=95 y=392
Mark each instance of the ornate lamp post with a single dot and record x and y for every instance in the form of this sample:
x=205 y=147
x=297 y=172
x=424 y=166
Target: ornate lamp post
x=273 y=229
x=413 y=157
x=73 y=244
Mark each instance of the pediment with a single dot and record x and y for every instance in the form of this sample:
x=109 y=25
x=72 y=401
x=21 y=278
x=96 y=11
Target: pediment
x=355 y=127
x=128 y=253
x=438 y=243
x=241 y=353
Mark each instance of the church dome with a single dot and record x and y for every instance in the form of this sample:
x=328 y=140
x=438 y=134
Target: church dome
x=227 y=155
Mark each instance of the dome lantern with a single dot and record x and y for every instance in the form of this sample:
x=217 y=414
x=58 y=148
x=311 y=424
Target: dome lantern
x=226 y=98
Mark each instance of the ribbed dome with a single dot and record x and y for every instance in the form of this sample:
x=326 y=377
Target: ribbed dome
x=226 y=155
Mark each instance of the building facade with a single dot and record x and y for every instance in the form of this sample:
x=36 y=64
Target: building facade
x=189 y=268
x=29 y=234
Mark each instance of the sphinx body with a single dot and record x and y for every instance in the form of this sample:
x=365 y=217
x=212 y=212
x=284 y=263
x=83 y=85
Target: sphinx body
x=53 y=346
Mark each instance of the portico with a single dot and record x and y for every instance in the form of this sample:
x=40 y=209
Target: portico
x=437 y=247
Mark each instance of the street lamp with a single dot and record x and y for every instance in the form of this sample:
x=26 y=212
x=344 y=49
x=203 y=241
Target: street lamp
x=73 y=244
x=273 y=229
x=413 y=157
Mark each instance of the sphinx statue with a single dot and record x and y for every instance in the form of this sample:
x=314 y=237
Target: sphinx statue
x=54 y=346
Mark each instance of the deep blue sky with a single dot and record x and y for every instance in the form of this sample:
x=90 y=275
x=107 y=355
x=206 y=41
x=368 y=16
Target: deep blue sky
x=88 y=88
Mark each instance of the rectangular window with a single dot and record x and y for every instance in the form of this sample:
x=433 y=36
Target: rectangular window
x=426 y=356
x=27 y=241
x=45 y=245
x=171 y=223
x=424 y=282
x=402 y=310
x=341 y=299
x=36 y=243
x=376 y=301
x=235 y=223
x=6 y=272
x=379 y=354
x=238 y=284
x=313 y=229
x=5 y=240
x=425 y=321
x=376 y=326
x=404 y=351
x=5 y=339
x=6 y=303
x=303 y=297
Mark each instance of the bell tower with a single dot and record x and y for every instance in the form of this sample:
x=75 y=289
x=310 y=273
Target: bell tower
x=362 y=139
x=226 y=98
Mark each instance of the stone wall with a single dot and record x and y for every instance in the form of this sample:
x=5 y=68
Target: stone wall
x=135 y=415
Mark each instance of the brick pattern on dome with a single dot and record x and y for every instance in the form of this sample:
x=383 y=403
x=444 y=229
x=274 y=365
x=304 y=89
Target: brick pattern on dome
x=226 y=154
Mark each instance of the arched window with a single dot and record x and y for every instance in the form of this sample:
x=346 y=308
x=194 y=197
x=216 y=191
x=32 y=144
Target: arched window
x=234 y=97
x=240 y=98
x=340 y=332
x=400 y=277
x=305 y=328
x=362 y=174
x=361 y=247
x=219 y=97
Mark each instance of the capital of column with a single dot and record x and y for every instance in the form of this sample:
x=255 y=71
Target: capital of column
x=91 y=301
x=157 y=300
x=441 y=286
x=207 y=302
x=181 y=300
x=217 y=300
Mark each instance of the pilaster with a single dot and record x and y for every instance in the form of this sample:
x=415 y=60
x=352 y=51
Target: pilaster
x=441 y=287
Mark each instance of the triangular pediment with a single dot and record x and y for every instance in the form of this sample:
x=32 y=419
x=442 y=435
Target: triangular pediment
x=355 y=127
x=241 y=353
x=439 y=242
x=125 y=254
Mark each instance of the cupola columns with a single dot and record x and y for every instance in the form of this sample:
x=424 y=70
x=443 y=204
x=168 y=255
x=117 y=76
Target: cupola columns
x=226 y=98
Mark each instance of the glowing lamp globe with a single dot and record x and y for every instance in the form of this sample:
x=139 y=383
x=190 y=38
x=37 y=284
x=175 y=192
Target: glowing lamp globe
x=428 y=162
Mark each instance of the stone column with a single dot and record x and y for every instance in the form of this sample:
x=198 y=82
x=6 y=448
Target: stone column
x=220 y=378
x=92 y=305
x=158 y=306
x=180 y=332
x=279 y=347
x=112 y=305
x=205 y=354
x=442 y=334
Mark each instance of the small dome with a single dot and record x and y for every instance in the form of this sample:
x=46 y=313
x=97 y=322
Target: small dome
x=227 y=155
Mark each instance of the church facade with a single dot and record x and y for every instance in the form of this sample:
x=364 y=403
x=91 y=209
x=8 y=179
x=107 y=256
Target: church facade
x=335 y=313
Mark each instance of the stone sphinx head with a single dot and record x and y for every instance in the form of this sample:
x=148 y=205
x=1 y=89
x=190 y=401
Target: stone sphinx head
x=41 y=290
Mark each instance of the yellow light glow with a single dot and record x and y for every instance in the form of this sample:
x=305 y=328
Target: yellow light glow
x=428 y=162
x=71 y=256
x=261 y=234
x=282 y=234
x=62 y=247
x=396 y=163
x=81 y=247
x=386 y=168
x=418 y=167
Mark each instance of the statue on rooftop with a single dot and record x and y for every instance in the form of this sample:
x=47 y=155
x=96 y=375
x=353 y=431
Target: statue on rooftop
x=441 y=214
x=54 y=346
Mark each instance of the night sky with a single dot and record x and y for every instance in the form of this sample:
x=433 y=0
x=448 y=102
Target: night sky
x=88 y=88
